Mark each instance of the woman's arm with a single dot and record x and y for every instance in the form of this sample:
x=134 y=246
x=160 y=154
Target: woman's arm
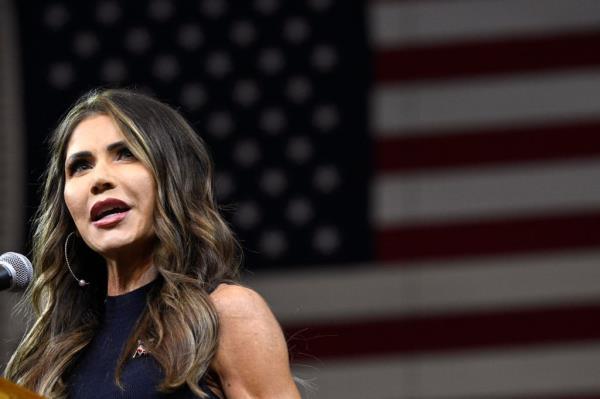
x=252 y=357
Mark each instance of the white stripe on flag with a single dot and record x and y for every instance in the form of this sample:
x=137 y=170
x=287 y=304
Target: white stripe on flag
x=486 y=193
x=431 y=108
x=401 y=23
x=364 y=292
x=508 y=373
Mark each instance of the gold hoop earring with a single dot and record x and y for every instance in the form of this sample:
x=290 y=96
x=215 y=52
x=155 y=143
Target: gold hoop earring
x=81 y=282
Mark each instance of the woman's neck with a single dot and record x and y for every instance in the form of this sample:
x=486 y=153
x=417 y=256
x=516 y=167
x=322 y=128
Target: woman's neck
x=124 y=277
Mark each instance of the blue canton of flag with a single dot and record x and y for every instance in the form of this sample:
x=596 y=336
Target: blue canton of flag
x=278 y=93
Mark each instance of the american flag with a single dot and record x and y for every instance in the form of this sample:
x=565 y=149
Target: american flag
x=415 y=182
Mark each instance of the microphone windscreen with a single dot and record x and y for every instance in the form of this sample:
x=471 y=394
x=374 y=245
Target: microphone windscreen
x=21 y=268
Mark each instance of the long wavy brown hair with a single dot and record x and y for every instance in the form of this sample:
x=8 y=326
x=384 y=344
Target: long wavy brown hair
x=195 y=251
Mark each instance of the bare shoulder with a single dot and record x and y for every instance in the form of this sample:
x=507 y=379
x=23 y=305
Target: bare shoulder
x=234 y=300
x=252 y=357
x=248 y=328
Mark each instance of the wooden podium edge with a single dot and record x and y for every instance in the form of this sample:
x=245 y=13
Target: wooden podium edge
x=9 y=390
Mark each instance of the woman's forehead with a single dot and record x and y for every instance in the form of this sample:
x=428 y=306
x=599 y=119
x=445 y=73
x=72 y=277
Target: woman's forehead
x=94 y=132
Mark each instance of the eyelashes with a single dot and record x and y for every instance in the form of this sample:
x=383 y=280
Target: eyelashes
x=78 y=165
x=125 y=153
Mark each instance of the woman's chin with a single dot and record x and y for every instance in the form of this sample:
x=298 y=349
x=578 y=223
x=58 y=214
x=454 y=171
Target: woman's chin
x=124 y=247
x=114 y=248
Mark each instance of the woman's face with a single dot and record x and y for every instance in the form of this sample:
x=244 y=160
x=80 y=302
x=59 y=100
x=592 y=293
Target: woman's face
x=109 y=193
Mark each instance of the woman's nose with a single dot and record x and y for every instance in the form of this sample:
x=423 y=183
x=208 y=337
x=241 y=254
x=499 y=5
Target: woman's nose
x=101 y=186
x=102 y=180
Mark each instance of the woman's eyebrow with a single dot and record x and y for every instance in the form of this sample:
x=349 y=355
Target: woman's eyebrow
x=78 y=155
x=86 y=154
x=116 y=145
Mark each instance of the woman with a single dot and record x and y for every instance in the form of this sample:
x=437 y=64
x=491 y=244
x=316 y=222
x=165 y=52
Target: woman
x=135 y=294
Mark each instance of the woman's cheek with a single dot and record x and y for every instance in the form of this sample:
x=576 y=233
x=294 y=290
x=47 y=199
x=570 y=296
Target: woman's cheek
x=74 y=204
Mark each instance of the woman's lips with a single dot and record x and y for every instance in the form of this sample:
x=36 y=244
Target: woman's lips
x=110 y=220
x=107 y=205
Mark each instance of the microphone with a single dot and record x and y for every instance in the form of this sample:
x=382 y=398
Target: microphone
x=16 y=271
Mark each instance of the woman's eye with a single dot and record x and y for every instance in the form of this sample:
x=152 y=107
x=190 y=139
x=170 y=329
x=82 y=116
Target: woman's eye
x=77 y=166
x=125 y=153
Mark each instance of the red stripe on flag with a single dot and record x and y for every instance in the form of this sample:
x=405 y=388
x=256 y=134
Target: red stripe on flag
x=463 y=59
x=433 y=334
x=495 y=237
x=493 y=146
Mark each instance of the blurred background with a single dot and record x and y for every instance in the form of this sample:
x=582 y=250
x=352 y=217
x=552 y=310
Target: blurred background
x=416 y=184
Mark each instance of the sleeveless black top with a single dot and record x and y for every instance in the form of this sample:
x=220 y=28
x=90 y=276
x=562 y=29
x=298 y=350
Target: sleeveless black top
x=93 y=375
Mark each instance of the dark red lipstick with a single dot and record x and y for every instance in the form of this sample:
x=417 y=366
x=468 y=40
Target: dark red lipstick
x=108 y=212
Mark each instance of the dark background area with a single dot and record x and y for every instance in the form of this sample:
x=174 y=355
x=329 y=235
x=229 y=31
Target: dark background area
x=250 y=80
